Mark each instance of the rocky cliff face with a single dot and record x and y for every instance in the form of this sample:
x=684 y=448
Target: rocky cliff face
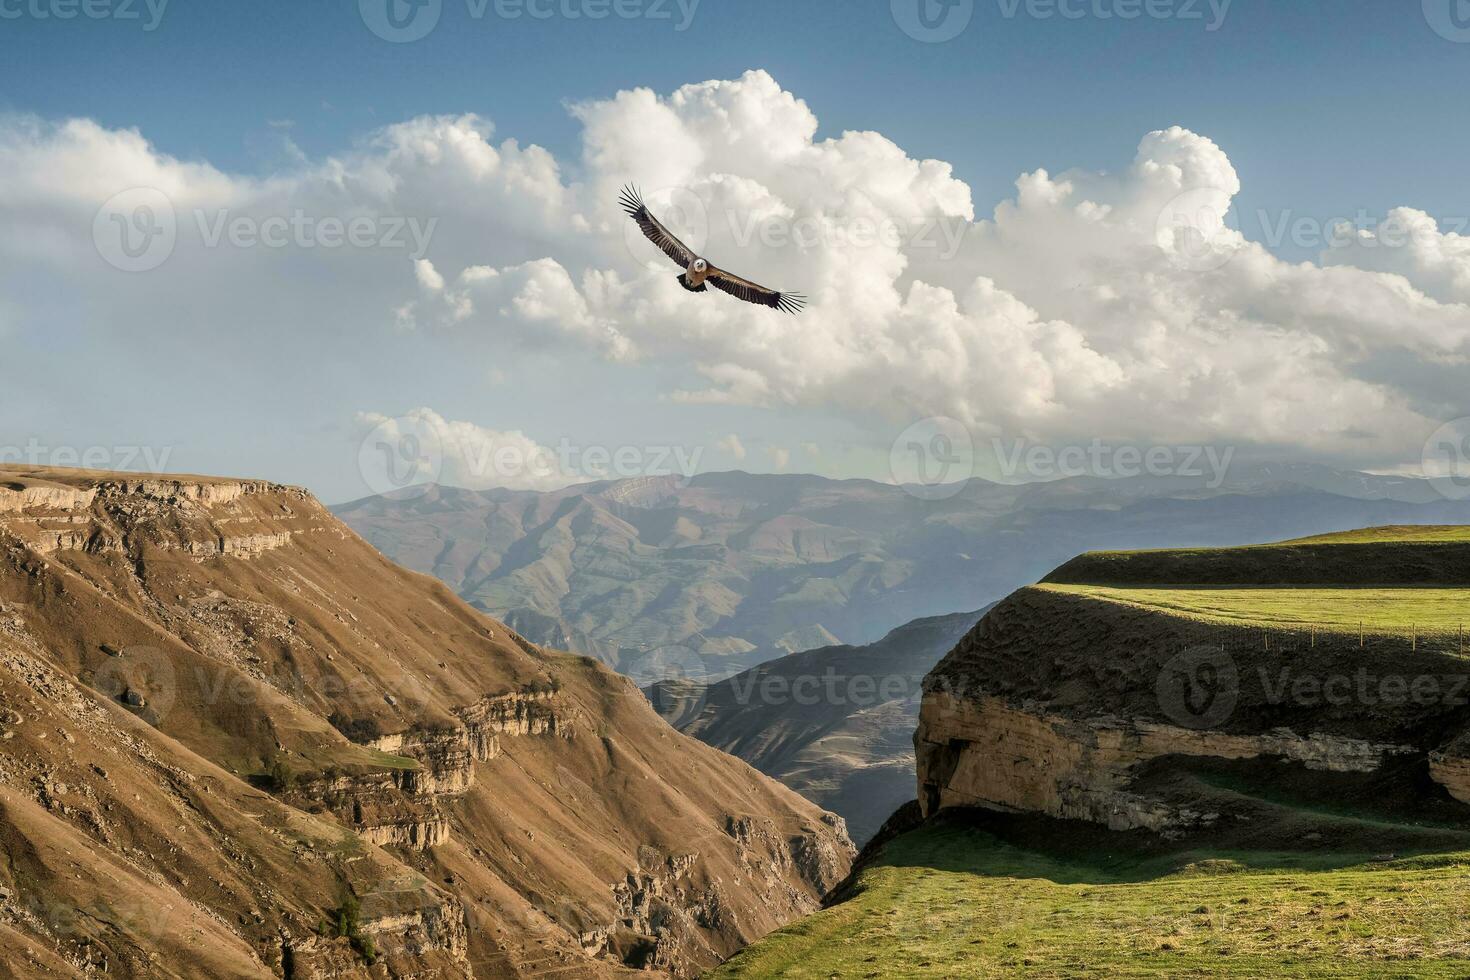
x=1078 y=708
x=981 y=751
x=236 y=740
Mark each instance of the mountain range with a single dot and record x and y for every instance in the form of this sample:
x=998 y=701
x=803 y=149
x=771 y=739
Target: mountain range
x=664 y=577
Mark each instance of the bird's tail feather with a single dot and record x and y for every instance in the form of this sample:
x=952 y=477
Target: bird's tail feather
x=684 y=281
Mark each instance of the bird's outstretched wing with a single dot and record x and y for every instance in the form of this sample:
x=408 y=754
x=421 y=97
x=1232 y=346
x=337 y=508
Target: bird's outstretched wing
x=654 y=230
x=751 y=292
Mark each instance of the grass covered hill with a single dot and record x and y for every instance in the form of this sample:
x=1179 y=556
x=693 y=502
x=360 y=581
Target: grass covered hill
x=1143 y=767
x=1396 y=555
x=1321 y=894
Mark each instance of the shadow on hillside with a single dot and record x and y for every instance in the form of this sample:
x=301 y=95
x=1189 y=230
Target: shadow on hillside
x=1271 y=817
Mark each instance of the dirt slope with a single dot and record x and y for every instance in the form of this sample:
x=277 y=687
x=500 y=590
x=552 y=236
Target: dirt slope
x=230 y=729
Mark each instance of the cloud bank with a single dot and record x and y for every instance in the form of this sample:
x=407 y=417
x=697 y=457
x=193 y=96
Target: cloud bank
x=1087 y=305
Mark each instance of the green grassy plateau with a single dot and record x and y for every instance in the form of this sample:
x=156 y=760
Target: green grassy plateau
x=989 y=898
x=1299 y=873
x=1399 y=581
x=1387 y=610
x=1375 y=556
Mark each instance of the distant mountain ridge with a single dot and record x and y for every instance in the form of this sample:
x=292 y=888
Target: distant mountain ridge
x=835 y=724
x=662 y=576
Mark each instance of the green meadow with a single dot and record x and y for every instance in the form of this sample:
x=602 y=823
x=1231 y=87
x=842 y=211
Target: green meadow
x=951 y=900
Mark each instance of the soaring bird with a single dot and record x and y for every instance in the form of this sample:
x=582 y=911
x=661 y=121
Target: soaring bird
x=697 y=272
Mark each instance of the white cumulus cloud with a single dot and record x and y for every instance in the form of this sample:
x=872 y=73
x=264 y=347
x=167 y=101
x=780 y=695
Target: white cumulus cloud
x=1086 y=305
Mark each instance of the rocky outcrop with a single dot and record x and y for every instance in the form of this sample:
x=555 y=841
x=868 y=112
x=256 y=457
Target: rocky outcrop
x=529 y=712
x=400 y=806
x=660 y=909
x=981 y=751
x=199 y=517
x=414 y=931
x=19 y=497
x=1083 y=708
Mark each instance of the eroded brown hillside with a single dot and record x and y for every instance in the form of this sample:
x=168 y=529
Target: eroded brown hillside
x=227 y=721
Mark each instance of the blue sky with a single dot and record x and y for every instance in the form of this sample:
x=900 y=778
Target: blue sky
x=1325 y=108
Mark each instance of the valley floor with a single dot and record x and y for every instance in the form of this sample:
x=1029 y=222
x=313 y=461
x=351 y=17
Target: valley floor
x=993 y=896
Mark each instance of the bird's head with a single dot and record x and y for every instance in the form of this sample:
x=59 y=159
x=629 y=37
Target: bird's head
x=700 y=265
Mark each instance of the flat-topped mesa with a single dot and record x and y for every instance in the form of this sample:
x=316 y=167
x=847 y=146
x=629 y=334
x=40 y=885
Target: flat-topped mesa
x=199 y=516
x=1094 y=695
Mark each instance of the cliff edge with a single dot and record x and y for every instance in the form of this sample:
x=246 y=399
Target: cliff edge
x=236 y=741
